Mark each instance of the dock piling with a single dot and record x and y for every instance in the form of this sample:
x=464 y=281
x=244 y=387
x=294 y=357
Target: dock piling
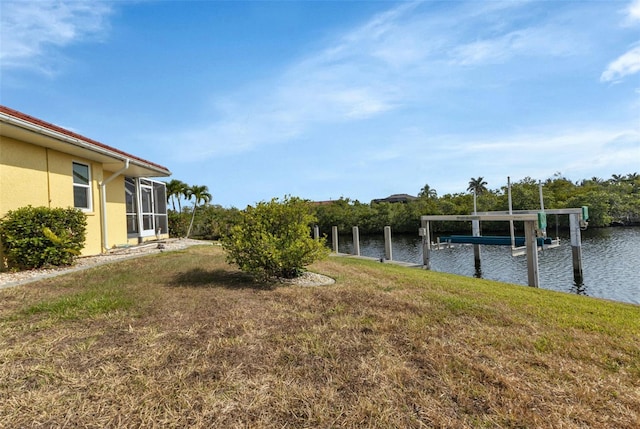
x=426 y=245
x=356 y=241
x=532 y=253
x=388 y=253
x=576 y=247
x=476 y=247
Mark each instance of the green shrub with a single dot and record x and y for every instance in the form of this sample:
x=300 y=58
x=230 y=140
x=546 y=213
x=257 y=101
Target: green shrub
x=273 y=239
x=178 y=224
x=33 y=237
x=214 y=222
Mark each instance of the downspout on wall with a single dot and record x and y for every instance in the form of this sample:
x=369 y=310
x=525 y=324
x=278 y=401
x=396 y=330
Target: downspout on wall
x=103 y=197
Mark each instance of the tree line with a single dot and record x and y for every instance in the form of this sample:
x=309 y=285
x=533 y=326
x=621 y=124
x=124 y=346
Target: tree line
x=611 y=202
x=614 y=201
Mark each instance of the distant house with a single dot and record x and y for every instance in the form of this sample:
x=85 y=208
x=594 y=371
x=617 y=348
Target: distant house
x=395 y=198
x=42 y=164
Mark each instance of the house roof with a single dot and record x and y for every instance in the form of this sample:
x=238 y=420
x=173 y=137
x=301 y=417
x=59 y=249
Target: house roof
x=32 y=130
x=395 y=198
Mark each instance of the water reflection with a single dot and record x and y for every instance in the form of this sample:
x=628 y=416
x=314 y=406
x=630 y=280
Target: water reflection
x=478 y=268
x=579 y=288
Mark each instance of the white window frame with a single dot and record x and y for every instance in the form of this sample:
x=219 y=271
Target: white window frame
x=142 y=214
x=160 y=219
x=88 y=187
x=134 y=213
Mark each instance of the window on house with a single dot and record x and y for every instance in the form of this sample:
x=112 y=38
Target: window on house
x=131 y=199
x=81 y=186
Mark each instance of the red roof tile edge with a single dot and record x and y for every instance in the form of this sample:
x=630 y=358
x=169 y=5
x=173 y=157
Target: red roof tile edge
x=51 y=127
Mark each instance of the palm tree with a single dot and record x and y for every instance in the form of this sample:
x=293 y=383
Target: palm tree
x=175 y=190
x=186 y=193
x=201 y=195
x=617 y=179
x=428 y=192
x=479 y=186
x=634 y=180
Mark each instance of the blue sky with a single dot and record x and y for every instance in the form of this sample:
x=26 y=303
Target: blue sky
x=330 y=99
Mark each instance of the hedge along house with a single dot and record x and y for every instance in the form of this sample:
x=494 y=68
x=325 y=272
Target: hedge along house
x=42 y=164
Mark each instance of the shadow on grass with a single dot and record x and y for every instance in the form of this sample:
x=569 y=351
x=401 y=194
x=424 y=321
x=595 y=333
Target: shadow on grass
x=219 y=278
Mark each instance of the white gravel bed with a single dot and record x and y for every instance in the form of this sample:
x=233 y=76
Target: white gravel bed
x=309 y=279
x=9 y=279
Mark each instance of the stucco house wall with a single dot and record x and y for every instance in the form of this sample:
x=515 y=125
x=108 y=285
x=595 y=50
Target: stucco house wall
x=40 y=173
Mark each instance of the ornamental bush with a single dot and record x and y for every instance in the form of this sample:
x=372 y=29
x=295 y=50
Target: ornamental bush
x=273 y=239
x=178 y=224
x=34 y=237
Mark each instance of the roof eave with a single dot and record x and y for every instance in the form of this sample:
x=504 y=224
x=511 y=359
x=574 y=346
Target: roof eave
x=46 y=137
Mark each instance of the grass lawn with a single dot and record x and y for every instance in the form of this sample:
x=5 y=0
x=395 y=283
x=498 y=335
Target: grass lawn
x=181 y=339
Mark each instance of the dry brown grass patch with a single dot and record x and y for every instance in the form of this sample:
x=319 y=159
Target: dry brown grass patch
x=194 y=343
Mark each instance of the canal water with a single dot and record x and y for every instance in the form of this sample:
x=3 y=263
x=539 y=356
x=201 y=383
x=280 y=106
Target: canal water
x=610 y=261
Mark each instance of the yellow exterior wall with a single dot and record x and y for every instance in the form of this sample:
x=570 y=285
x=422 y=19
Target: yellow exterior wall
x=32 y=175
x=23 y=175
x=116 y=211
x=61 y=194
x=135 y=240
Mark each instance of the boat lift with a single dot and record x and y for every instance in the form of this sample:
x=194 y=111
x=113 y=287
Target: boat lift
x=578 y=220
x=518 y=247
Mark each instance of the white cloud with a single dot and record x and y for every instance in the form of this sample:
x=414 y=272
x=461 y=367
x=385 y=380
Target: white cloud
x=345 y=82
x=492 y=51
x=569 y=142
x=31 y=28
x=628 y=63
x=446 y=161
x=633 y=13
x=395 y=60
x=549 y=145
x=625 y=65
